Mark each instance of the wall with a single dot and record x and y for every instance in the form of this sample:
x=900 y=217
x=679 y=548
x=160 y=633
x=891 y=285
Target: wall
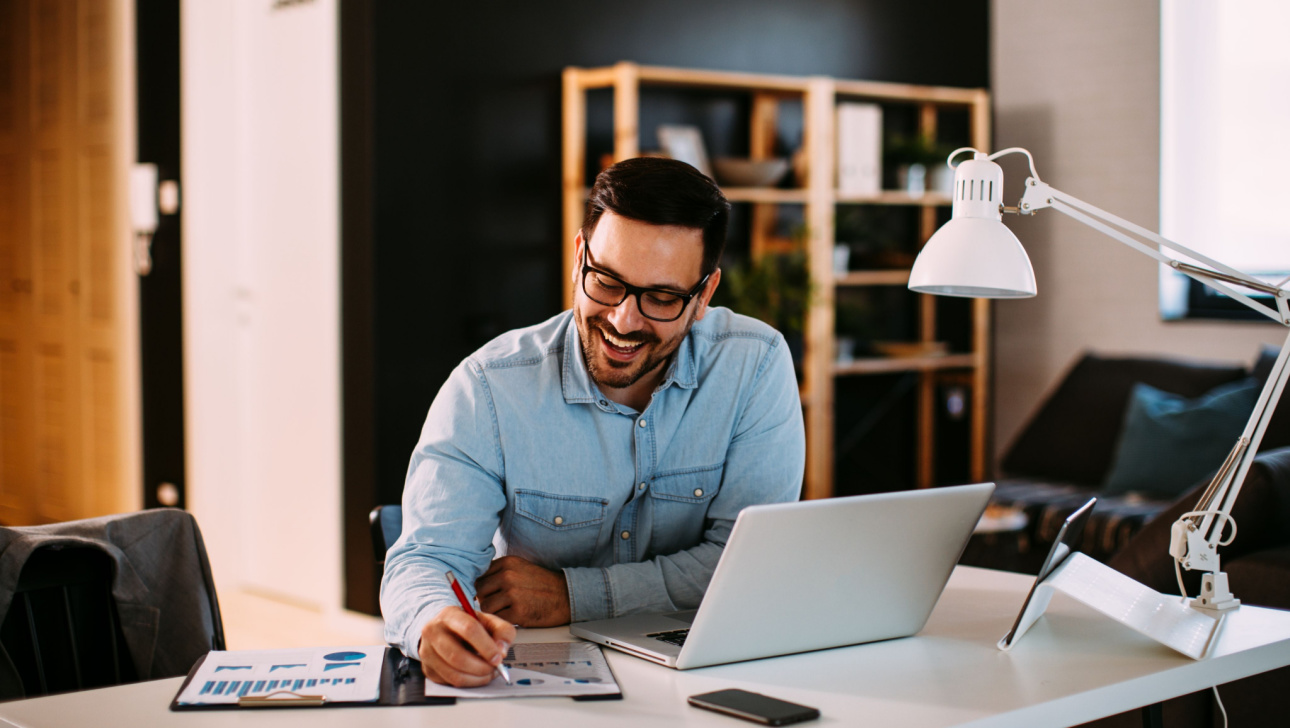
x=467 y=132
x=465 y=232
x=261 y=287
x=1079 y=85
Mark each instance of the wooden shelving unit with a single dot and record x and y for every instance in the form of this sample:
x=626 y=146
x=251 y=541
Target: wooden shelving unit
x=819 y=197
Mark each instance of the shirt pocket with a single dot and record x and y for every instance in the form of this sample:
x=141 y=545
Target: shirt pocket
x=679 y=500
x=556 y=531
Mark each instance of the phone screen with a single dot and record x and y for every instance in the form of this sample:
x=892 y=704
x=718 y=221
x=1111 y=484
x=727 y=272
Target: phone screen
x=754 y=706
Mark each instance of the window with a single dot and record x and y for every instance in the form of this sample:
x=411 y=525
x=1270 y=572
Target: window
x=1224 y=145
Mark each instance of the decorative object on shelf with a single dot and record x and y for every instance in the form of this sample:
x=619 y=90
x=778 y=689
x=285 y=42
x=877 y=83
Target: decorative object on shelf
x=914 y=158
x=846 y=349
x=685 y=144
x=742 y=172
x=975 y=255
x=841 y=258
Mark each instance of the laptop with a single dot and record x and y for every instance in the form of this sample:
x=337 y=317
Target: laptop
x=811 y=575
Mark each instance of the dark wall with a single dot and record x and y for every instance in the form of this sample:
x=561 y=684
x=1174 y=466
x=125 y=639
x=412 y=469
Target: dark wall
x=465 y=124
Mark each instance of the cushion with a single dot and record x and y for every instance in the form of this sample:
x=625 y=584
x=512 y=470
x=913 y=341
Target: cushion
x=1072 y=436
x=1169 y=442
x=1278 y=433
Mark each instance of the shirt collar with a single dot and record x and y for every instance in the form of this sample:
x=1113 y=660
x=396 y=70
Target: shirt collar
x=576 y=380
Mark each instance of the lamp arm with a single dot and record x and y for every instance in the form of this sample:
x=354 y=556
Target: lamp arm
x=1197 y=535
x=1039 y=195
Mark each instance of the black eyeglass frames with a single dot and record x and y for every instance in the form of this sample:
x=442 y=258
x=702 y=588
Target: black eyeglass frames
x=657 y=304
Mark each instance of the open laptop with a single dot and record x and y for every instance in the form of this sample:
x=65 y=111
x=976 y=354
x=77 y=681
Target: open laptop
x=811 y=575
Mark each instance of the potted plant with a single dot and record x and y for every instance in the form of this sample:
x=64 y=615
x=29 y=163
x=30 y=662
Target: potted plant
x=915 y=158
x=775 y=289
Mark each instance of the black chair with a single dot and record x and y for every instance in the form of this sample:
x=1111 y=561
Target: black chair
x=104 y=601
x=62 y=631
x=387 y=524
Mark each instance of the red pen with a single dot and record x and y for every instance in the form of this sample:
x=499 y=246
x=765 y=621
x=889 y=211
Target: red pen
x=465 y=604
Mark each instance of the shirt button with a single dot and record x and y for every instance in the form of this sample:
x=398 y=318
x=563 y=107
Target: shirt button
x=558 y=520
x=641 y=486
x=603 y=403
x=641 y=423
x=626 y=535
x=698 y=492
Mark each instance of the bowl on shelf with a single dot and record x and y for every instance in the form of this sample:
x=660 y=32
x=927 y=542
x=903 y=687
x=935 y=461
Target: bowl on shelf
x=741 y=172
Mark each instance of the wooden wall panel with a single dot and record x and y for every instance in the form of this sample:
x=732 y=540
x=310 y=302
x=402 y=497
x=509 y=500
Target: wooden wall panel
x=61 y=453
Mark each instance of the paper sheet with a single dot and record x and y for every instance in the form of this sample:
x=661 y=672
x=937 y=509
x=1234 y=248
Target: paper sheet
x=544 y=668
x=341 y=674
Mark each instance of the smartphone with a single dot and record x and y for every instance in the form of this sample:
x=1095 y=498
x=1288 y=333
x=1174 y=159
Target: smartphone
x=754 y=706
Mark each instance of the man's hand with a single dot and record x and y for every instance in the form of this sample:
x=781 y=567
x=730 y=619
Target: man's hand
x=524 y=593
x=457 y=649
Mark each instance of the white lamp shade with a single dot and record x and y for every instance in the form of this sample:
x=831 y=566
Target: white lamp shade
x=973 y=257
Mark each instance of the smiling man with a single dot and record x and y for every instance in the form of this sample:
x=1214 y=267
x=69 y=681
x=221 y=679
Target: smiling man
x=593 y=465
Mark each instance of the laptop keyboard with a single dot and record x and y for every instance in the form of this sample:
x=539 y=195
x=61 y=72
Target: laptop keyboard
x=673 y=637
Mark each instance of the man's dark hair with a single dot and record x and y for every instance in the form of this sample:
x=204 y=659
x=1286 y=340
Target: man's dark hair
x=662 y=191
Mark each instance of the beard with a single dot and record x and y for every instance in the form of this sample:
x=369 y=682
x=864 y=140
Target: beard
x=615 y=374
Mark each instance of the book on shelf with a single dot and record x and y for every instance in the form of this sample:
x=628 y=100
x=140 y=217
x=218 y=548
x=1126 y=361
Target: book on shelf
x=859 y=128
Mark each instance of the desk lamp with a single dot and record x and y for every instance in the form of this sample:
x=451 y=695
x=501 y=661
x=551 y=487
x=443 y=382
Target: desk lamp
x=975 y=256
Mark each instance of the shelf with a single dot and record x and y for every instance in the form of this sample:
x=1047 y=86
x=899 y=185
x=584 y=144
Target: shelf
x=895 y=277
x=883 y=365
x=764 y=194
x=817 y=196
x=779 y=196
x=895 y=197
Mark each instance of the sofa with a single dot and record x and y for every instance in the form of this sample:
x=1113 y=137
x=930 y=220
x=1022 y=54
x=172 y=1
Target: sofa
x=1069 y=448
x=1068 y=451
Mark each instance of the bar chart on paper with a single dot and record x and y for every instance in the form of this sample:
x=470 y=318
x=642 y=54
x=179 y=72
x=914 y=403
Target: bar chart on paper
x=350 y=674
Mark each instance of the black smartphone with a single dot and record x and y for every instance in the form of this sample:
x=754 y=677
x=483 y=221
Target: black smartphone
x=754 y=706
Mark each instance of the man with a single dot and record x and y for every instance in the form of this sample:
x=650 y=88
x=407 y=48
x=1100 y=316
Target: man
x=603 y=454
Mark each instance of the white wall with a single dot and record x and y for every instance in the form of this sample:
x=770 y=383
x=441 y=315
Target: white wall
x=261 y=293
x=1079 y=85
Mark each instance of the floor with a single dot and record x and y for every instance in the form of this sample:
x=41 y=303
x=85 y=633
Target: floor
x=255 y=621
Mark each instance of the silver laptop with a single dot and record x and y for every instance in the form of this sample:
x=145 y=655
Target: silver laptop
x=811 y=575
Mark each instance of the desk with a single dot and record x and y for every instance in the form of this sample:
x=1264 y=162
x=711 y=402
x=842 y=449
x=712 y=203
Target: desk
x=1073 y=666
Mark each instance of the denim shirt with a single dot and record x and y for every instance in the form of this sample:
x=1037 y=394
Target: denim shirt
x=522 y=454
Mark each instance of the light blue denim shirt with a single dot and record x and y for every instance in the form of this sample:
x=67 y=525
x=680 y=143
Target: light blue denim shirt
x=521 y=454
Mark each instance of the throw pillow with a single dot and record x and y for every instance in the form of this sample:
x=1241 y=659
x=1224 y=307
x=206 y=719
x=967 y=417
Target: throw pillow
x=1169 y=442
x=1072 y=436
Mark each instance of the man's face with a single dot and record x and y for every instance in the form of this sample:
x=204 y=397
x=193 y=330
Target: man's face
x=619 y=344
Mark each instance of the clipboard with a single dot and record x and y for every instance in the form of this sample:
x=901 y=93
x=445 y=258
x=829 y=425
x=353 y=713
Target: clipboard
x=402 y=683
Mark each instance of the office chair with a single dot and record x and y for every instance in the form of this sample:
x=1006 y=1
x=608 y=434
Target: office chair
x=104 y=601
x=387 y=524
x=63 y=631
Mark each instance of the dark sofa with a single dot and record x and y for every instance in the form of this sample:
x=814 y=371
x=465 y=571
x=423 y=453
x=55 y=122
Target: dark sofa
x=1062 y=458
x=1064 y=453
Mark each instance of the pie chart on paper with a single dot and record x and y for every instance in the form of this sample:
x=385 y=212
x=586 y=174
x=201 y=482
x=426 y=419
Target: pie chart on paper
x=344 y=656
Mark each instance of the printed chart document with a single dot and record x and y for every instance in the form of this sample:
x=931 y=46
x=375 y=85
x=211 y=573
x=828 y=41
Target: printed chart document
x=568 y=669
x=340 y=674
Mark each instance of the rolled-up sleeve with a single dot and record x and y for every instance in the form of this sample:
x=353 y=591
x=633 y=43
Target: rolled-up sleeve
x=452 y=500
x=764 y=464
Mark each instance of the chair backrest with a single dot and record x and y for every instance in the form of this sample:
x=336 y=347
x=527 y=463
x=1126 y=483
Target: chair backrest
x=62 y=631
x=387 y=524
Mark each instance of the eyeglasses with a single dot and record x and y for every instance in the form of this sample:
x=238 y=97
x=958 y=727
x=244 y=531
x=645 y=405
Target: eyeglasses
x=656 y=304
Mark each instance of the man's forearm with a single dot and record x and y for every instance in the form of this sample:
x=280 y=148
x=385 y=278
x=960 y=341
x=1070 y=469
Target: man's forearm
x=662 y=584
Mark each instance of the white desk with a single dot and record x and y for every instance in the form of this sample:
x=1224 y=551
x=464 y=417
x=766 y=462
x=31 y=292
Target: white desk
x=1073 y=666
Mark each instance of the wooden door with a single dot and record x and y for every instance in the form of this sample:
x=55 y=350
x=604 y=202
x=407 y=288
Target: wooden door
x=63 y=427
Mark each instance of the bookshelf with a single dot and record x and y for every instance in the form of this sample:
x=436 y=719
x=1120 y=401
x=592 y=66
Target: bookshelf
x=817 y=194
